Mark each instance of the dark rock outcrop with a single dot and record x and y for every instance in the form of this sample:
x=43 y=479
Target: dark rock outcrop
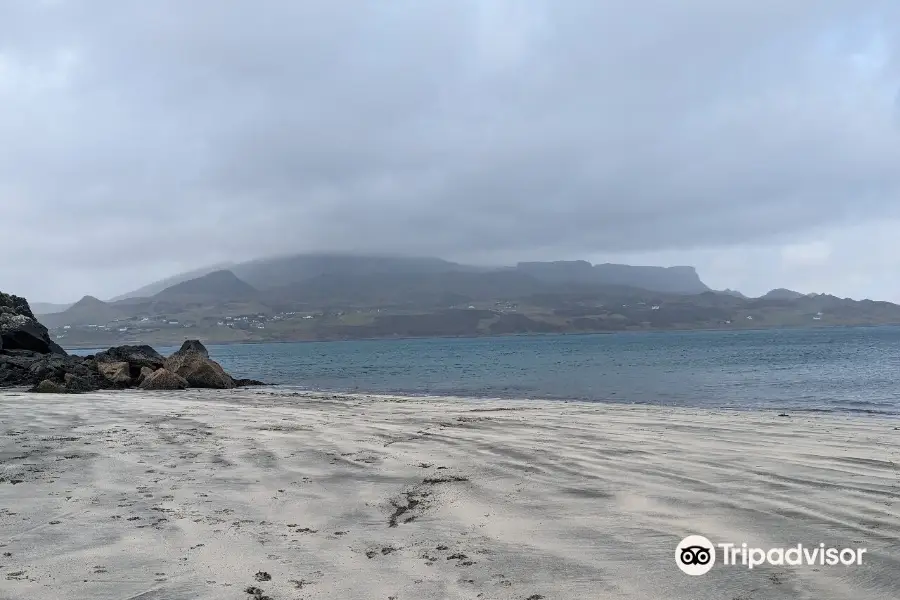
x=20 y=330
x=77 y=384
x=193 y=363
x=247 y=382
x=77 y=374
x=26 y=368
x=15 y=367
x=136 y=356
x=29 y=358
x=163 y=379
x=192 y=347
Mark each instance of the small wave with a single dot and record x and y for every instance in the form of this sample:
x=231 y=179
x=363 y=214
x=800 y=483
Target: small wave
x=842 y=410
x=468 y=395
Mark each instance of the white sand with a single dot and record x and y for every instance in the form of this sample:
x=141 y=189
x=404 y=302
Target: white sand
x=188 y=495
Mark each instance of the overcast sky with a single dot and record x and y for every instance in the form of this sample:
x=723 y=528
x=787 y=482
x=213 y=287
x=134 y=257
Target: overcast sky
x=758 y=140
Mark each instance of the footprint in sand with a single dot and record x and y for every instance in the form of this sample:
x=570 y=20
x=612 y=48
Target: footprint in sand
x=301 y=583
x=384 y=551
x=257 y=593
x=462 y=558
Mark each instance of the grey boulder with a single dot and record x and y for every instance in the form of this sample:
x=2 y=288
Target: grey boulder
x=193 y=363
x=192 y=347
x=48 y=387
x=144 y=374
x=136 y=356
x=163 y=379
x=117 y=373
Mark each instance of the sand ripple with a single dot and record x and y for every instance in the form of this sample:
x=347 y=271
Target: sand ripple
x=244 y=494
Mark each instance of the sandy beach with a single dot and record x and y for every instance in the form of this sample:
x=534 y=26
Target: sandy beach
x=265 y=493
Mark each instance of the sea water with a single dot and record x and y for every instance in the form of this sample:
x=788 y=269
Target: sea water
x=848 y=370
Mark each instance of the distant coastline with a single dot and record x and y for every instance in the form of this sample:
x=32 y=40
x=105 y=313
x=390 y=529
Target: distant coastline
x=495 y=335
x=323 y=298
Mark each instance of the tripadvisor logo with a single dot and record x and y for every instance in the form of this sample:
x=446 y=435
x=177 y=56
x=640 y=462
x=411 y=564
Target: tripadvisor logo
x=696 y=555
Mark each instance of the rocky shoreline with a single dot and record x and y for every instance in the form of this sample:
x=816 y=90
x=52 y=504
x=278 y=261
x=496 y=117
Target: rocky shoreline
x=29 y=358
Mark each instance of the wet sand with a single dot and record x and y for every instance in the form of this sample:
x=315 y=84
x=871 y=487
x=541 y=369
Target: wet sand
x=262 y=493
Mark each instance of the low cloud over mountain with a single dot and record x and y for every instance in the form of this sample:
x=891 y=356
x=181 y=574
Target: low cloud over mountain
x=143 y=139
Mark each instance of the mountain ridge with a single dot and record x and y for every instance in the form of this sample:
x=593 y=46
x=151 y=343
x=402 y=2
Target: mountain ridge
x=349 y=298
x=155 y=287
x=219 y=284
x=281 y=271
x=782 y=294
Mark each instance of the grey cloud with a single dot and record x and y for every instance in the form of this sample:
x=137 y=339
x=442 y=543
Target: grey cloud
x=146 y=135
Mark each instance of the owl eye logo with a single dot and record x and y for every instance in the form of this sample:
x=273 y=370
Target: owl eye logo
x=695 y=555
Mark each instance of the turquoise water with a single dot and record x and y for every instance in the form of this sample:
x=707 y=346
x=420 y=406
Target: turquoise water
x=854 y=370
